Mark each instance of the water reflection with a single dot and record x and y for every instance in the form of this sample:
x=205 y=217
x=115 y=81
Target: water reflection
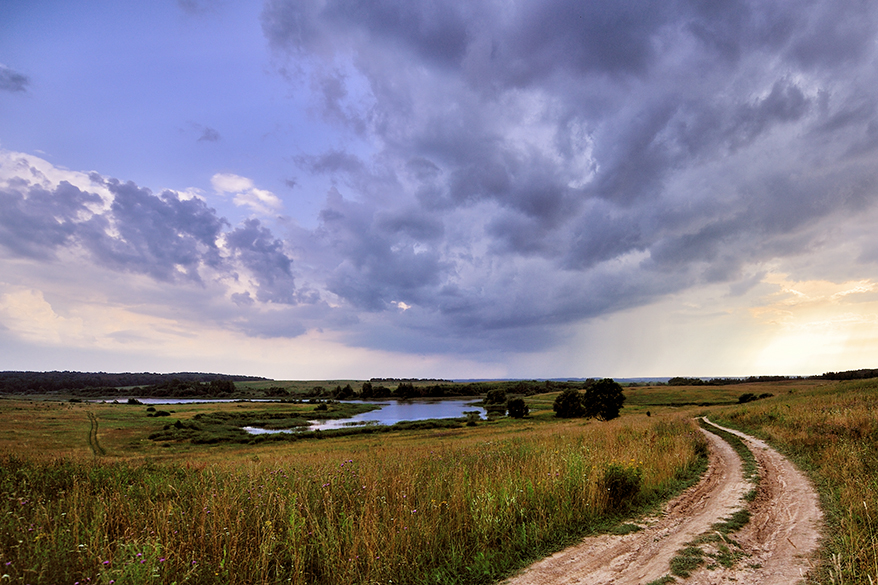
x=391 y=412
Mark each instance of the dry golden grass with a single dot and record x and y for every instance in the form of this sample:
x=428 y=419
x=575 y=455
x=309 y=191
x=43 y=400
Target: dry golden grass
x=444 y=506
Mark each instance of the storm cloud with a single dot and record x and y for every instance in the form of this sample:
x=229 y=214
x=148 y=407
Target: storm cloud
x=577 y=158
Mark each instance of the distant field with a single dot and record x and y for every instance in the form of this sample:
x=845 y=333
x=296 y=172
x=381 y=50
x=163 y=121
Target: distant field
x=682 y=396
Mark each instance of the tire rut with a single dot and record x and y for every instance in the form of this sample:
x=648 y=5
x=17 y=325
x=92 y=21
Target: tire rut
x=93 y=443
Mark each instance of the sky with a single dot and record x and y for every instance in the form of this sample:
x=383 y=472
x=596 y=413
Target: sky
x=329 y=189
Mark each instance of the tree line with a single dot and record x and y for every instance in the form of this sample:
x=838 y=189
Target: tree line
x=108 y=384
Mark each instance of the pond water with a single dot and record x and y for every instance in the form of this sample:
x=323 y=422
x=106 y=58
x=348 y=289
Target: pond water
x=391 y=412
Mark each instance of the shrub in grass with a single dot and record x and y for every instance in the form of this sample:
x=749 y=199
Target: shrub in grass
x=622 y=484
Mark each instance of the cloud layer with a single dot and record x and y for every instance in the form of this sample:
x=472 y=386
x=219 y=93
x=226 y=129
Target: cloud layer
x=503 y=172
x=538 y=164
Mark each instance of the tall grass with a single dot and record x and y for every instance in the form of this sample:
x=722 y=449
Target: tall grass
x=447 y=513
x=832 y=432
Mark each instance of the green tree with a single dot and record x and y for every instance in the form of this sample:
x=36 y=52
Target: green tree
x=603 y=399
x=568 y=404
x=495 y=396
x=405 y=391
x=517 y=408
x=343 y=393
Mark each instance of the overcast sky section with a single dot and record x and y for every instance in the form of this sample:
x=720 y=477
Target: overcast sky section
x=502 y=173
x=536 y=164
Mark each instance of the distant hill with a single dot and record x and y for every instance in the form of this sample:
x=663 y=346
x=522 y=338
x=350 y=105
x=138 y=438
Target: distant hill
x=89 y=382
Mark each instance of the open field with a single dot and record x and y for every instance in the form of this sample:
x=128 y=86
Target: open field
x=446 y=505
x=433 y=499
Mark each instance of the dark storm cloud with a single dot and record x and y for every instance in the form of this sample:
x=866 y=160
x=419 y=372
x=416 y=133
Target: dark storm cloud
x=580 y=157
x=376 y=258
x=13 y=80
x=502 y=170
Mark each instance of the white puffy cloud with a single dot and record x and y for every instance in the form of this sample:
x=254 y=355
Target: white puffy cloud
x=246 y=194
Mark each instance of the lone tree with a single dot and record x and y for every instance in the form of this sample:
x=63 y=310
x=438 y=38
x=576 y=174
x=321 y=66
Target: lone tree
x=603 y=399
x=568 y=404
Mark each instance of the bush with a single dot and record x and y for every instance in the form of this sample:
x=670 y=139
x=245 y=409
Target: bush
x=472 y=417
x=622 y=485
x=517 y=408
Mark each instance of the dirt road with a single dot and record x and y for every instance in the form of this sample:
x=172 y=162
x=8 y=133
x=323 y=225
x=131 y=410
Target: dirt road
x=778 y=543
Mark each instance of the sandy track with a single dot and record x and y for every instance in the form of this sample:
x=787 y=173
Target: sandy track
x=784 y=530
x=780 y=539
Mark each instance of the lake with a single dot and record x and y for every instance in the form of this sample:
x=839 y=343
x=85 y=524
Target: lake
x=391 y=412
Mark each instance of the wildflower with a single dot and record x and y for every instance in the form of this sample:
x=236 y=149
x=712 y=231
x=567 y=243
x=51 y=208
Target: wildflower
x=106 y=563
